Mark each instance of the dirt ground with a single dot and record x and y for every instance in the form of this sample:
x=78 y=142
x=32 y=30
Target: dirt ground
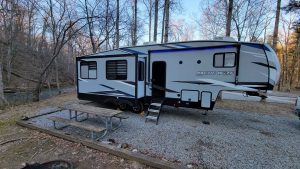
x=19 y=145
x=262 y=107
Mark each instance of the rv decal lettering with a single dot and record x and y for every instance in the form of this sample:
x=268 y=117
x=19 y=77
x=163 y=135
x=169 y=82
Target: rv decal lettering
x=201 y=73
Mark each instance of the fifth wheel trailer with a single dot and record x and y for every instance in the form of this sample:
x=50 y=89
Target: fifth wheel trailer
x=182 y=74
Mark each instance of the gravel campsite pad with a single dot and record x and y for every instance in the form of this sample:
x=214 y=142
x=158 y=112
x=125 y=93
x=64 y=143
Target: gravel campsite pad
x=223 y=138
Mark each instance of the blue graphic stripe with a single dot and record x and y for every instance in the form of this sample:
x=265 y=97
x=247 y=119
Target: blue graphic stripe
x=194 y=49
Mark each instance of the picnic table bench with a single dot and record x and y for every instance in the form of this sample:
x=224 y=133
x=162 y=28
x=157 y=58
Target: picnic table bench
x=89 y=127
x=80 y=109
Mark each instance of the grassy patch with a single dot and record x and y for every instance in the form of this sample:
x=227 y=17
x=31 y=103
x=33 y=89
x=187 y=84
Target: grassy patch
x=8 y=122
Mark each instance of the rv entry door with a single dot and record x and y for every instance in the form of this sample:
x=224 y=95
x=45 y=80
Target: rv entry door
x=158 y=79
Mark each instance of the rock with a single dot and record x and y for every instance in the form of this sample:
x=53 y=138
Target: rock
x=124 y=145
x=106 y=142
x=25 y=118
x=134 y=150
x=189 y=166
x=24 y=164
x=136 y=165
x=163 y=159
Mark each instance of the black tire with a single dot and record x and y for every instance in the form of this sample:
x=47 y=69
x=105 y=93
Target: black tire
x=138 y=108
x=123 y=106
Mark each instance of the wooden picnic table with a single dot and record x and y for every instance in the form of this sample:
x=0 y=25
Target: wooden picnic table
x=107 y=114
x=93 y=110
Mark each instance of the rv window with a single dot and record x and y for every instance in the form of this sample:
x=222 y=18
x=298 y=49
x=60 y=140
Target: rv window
x=116 y=69
x=141 y=71
x=218 y=60
x=88 y=70
x=229 y=60
x=223 y=60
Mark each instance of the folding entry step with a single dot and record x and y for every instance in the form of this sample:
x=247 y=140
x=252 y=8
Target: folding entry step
x=154 y=109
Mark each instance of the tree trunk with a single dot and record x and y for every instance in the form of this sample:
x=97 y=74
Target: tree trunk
x=9 y=61
x=11 y=40
x=57 y=76
x=106 y=25
x=163 y=25
x=117 y=25
x=294 y=64
x=135 y=24
x=90 y=27
x=155 y=21
x=167 y=10
x=298 y=84
x=36 y=92
x=229 y=17
x=150 y=19
x=275 y=33
x=49 y=88
x=2 y=97
x=279 y=85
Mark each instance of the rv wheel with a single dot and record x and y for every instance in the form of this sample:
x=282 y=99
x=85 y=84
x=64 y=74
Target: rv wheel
x=123 y=106
x=138 y=108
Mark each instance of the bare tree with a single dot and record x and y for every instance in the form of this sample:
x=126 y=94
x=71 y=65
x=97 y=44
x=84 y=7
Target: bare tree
x=155 y=20
x=100 y=23
x=167 y=20
x=134 y=36
x=117 y=24
x=32 y=51
x=62 y=32
x=229 y=17
x=180 y=30
x=275 y=33
x=285 y=43
x=163 y=23
x=149 y=6
x=212 y=21
x=2 y=97
x=90 y=25
x=107 y=25
x=249 y=18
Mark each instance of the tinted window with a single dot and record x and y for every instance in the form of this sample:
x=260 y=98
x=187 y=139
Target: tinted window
x=223 y=60
x=219 y=59
x=116 y=70
x=141 y=72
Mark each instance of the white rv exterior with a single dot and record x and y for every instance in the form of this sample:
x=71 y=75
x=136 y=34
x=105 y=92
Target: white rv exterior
x=185 y=74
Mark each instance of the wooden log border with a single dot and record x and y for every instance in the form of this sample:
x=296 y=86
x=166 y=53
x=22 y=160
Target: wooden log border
x=123 y=153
